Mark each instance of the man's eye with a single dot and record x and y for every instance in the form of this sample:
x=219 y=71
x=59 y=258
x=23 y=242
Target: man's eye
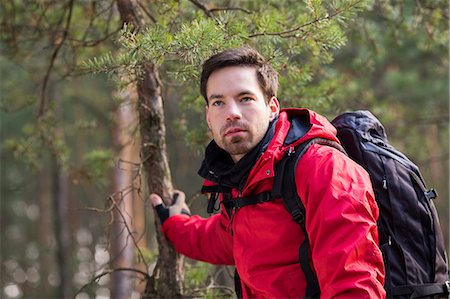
x=246 y=99
x=217 y=103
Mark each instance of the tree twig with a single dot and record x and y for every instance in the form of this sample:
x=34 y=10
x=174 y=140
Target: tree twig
x=216 y=9
x=54 y=56
x=107 y=272
x=129 y=231
x=149 y=15
x=202 y=7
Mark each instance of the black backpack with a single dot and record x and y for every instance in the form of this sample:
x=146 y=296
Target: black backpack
x=410 y=237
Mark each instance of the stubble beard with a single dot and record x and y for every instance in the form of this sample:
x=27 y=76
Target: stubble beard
x=237 y=145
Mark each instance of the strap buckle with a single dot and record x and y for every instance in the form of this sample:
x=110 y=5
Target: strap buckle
x=431 y=194
x=298 y=216
x=267 y=197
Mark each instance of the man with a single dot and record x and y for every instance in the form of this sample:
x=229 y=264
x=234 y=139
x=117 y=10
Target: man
x=250 y=136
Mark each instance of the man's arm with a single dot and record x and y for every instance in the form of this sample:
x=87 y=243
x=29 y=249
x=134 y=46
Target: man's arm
x=341 y=215
x=204 y=239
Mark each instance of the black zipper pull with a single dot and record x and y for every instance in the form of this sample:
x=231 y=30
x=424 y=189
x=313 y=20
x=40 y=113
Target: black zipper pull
x=211 y=203
x=230 y=224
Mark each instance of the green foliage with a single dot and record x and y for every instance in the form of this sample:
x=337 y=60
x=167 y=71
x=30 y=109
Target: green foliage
x=314 y=31
x=98 y=163
x=149 y=255
x=397 y=57
x=23 y=97
x=199 y=282
x=196 y=274
x=396 y=65
x=298 y=39
x=42 y=133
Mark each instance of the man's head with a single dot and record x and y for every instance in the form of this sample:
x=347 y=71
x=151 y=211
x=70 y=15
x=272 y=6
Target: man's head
x=245 y=56
x=240 y=102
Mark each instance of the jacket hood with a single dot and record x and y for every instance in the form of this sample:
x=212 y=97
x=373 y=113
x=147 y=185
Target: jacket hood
x=297 y=125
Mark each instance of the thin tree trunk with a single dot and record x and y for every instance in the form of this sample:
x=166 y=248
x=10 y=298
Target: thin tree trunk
x=121 y=238
x=45 y=229
x=435 y=166
x=61 y=222
x=60 y=192
x=169 y=270
x=436 y=170
x=156 y=165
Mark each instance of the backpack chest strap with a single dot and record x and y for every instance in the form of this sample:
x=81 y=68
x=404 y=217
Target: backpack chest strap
x=239 y=202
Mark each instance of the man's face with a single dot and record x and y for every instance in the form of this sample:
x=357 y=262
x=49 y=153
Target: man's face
x=237 y=113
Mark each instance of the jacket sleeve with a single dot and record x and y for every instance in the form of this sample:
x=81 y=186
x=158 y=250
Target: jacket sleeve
x=203 y=239
x=341 y=215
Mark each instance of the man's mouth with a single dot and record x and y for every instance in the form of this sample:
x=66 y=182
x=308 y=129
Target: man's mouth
x=233 y=131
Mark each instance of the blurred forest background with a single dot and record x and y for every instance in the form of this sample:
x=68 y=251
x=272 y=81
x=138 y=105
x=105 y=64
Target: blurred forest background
x=74 y=206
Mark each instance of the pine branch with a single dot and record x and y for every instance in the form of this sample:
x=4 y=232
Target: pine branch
x=291 y=32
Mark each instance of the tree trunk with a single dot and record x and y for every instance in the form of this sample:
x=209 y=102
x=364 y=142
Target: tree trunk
x=45 y=229
x=60 y=192
x=122 y=244
x=156 y=165
x=61 y=221
x=436 y=170
x=168 y=277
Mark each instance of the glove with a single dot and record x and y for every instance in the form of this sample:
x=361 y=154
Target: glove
x=177 y=207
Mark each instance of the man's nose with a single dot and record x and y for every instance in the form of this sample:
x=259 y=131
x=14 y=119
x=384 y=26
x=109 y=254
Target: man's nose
x=233 y=111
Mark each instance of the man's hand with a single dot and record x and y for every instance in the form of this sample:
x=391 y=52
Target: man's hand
x=177 y=207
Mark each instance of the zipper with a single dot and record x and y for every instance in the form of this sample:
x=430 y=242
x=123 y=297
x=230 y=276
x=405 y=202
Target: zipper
x=385 y=187
x=290 y=151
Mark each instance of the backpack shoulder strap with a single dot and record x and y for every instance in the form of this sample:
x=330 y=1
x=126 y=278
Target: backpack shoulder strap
x=285 y=187
x=284 y=182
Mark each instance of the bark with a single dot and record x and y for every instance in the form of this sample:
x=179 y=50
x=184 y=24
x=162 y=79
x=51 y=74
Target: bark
x=154 y=155
x=122 y=244
x=168 y=276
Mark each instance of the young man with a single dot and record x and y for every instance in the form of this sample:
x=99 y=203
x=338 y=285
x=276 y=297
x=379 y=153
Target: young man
x=250 y=136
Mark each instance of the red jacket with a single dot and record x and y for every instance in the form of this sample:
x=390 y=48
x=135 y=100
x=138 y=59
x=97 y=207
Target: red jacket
x=262 y=240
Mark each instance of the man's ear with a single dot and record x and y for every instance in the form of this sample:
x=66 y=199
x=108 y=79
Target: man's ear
x=274 y=107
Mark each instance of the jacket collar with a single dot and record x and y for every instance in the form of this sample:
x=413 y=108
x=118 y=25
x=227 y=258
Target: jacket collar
x=219 y=167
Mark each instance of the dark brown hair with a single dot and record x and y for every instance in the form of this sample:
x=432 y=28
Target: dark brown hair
x=245 y=56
